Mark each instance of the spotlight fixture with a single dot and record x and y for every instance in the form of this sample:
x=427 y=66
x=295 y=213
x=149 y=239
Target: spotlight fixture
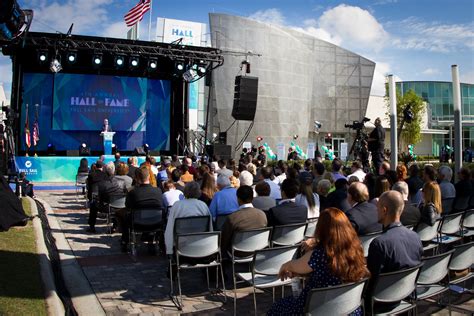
x=42 y=56
x=71 y=57
x=55 y=65
x=84 y=150
x=97 y=59
x=295 y=137
x=180 y=67
x=201 y=68
x=152 y=64
x=119 y=61
x=190 y=75
x=259 y=138
x=134 y=61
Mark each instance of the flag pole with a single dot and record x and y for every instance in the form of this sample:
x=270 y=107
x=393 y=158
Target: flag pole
x=149 y=21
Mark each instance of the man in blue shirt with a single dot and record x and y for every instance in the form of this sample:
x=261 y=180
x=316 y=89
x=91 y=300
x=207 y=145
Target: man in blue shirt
x=224 y=201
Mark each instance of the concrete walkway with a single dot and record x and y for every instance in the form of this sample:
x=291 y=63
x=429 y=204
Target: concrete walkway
x=126 y=285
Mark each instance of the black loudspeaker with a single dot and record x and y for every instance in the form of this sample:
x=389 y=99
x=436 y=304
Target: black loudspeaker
x=84 y=151
x=139 y=151
x=245 y=98
x=222 y=138
x=221 y=150
x=72 y=153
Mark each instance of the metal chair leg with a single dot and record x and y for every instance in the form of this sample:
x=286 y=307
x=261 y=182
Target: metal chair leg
x=223 y=282
x=235 y=288
x=255 y=299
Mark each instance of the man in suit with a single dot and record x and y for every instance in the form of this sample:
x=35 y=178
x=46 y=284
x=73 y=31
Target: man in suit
x=246 y=217
x=92 y=183
x=132 y=166
x=411 y=214
x=141 y=196
x=287 y=212
x=106 y=127
x=362 y=215
x=338 y=198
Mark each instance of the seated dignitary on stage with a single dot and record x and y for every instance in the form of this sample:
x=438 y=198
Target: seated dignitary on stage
x=246 y=217
x=143 y=195
x=225 y=200
x=188 y=207
x=287 y=211
x=362 y=215
x=396 y=249
x=109 y=189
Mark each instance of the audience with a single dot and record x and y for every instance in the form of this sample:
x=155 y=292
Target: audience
x=225 y=200
x=381 y=185
x=464 y=187
x=176 y=178
x=415 y=183
x=171 y=195
x=208 y=188
x=95 y=177
x=338 y=198
x=117 y=159
x=357 y=171
x=306 y=197
x=337 y=257
x=83 y=166
x=384 y=167
x=362 y=215
x=287 y=211
x=336 y=169
x=431 y=207
x=266 y=175
x=411 y=214
x=318 y=173
x=122 y=175
x=263 y=201
x=445 y=173
x=245 y=218
x=132 y=166
x=186 y=175
x=188 y=207
x=323 y=190
x=401 y=173
x=396 y=249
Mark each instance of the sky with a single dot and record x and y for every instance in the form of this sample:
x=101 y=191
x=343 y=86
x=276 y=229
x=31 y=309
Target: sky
x=411 y=39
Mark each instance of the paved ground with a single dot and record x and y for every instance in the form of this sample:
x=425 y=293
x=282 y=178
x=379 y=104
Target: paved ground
x=128 y=285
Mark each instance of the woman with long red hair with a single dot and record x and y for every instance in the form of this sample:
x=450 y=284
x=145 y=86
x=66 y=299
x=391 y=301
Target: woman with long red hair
x=336 y=258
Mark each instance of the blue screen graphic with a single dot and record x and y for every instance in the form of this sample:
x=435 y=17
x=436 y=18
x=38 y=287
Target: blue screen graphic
x=70 y=109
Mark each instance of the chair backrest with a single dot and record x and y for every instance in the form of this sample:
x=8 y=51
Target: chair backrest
x=311 y=227
x=471 y=201
x=468 y=220
x=287 y=235
x=447 y=205
x=434 y=268
x=395 y=286
x=463 y=257
x=335 y=300
x=268 y=261
x=451 y=224
x=147 y=216
x=118 y=202
x=251 y=240
x=81 y=178
x=192 y=224
x=427 y=232
x=461 y=203
x=366 y=240
x=197 y=245
x=219 y=222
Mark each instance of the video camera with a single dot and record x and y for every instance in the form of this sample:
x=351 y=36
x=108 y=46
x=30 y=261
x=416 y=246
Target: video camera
x=356 y=124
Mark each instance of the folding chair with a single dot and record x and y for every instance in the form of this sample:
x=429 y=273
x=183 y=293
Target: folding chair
x=247 y=242
x=265 y=267
x=394 y=287
x=427 y=233
x=366 y=240
x=335 y=300
x=449 y=229
x=198 y=246
x=311 y=228
x=461 y=204
x=115 y=204
x=462 y=259
x=145 y=221
x=467 y=225
x=219 y=222
x=288 y=235
x=81 y=182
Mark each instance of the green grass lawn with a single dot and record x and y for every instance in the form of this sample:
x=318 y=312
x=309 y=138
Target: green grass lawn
x=20 y=283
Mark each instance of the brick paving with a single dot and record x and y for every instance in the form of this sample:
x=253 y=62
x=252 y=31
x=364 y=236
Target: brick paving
x=126 y=285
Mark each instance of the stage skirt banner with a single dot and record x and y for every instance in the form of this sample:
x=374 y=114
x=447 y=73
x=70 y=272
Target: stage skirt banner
x=57 y=168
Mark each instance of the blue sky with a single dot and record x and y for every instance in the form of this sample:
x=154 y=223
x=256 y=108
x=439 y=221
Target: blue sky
x=412 y=39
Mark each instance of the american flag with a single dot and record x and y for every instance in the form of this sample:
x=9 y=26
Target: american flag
x=136 y=13
x=27 y=130
x=36 y=132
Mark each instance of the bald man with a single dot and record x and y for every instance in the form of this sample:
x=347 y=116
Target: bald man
x=397 y=248
x=362 y=214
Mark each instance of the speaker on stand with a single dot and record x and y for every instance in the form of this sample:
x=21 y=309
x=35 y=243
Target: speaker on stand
x=245 y=98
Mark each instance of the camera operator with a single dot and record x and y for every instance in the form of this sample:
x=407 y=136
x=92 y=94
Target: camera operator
x=376 y=144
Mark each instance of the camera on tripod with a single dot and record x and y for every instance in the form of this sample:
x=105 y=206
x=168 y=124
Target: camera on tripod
x=356 y=125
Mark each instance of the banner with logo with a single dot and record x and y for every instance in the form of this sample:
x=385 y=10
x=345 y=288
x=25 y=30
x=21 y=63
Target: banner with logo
x=188 y=32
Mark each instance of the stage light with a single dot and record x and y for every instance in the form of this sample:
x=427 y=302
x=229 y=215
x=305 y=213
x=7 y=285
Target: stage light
x=55 y=66
x=134 y=61
x=295 y=137
x=152 y=64
x=201 y=68
x=71 y=57
x=119 y=60
x=84 y=150
x=259 y=138
x=180 y=67
x=42 y=56
x=97 y=59
x=190 y=75
x=51 y=150
x=146 y=148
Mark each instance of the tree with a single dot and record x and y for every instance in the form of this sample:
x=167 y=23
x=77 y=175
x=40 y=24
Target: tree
x=409 y=131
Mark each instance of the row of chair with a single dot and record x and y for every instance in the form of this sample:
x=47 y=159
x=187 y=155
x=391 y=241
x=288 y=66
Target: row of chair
x=458 y=204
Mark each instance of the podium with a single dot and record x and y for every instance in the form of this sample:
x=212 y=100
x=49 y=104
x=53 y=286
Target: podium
x=108 y=138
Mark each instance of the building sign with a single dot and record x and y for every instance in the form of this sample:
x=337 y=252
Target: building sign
x=343 y=153
x=189 y=32
x=310 y=150
x=281 y=151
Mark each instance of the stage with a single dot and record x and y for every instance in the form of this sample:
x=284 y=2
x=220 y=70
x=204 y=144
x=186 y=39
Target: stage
x=58 y=168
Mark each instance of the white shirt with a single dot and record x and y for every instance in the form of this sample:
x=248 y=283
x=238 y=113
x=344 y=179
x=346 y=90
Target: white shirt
x=172 y=196
x=247 y=205
x=274 y=189
x=312 y=212
x=360 y=174
x=278 y=180
x=183 y=208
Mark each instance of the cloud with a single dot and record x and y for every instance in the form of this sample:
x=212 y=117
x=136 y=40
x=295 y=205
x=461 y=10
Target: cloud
x=431 y=71
x=467 y=77
x=382 y=70
x=116 y=30
x=383 y=2
x=270 y=16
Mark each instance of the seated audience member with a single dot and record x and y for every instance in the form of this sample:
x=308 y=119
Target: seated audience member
x=266 y=174
x=83 y=166
x=336 y=258
x=117 y=160
x=234 y=182
x=323 y=190
x=381 y=185
x=204 y=168
x=208 y=188
x=370 y=181
x=170 y=194
x=225 y=200
x=306 y=197
x=132 y=163
x=362 y=215
x=338 y=198
x=401 y=172
x=431 y=207
x=95 y=176
x=337 y=169
x=246 y=178
x=411 y=214
x=246 y=217
x=287 y=211
x=186 y=176
x=222 y=170
x=263 y=201
x=188 y=207
x=429 y=175
x=464 y=186
x=318 y=173
x=143 y=195
x=445 y=173
x=122 y=175
x=352 y=179
x=176 y=177
x=357 y=171
x=391 y=176
x=149 y=164
x=415 y=183
x=384 y=167
x=25 y=185
x=396 y=249
x=108 y=189
x=283 y=167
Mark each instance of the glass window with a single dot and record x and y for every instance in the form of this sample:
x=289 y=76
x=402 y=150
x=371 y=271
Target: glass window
x=438 y=92
x=445 y=90
x=464 y=91
x=431 y=89
x=471 y=90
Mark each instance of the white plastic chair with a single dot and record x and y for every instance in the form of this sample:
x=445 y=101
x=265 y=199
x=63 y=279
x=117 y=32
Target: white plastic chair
x=366 y=240
x=81 y=182
x=288 y=235
x=311 y=227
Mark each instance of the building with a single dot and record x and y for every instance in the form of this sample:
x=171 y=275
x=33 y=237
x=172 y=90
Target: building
x=302 y=79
